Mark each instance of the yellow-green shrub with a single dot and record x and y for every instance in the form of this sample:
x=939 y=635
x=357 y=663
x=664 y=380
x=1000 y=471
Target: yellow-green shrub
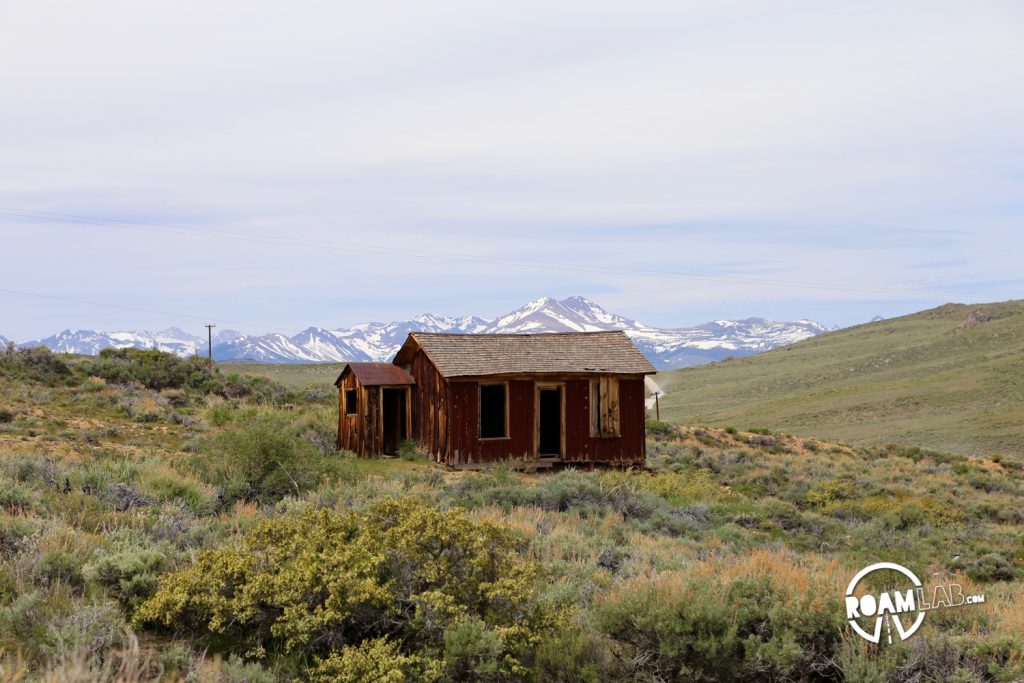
x=324 y=580
x=378 y=660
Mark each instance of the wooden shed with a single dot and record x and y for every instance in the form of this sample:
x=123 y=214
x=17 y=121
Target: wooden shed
x=546 y=398
x=374 y=408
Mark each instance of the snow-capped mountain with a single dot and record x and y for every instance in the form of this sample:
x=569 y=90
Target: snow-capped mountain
x=91 y=342
x=666 y=348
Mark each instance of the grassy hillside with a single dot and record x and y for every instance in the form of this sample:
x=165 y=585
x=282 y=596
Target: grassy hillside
x=161 y=521
x=928 y=379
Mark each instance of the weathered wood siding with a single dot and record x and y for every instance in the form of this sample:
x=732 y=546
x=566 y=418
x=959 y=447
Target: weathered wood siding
x=360 y=433
x=430 y=400
x=348 y=425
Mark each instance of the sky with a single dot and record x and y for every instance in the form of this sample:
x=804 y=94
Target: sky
x=275 y=165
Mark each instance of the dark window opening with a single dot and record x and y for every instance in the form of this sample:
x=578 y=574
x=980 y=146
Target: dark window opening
x=351 y=402
x=492 y=411
x=549 y=422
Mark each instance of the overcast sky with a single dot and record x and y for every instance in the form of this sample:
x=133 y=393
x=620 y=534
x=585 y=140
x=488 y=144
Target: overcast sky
x=803 y=159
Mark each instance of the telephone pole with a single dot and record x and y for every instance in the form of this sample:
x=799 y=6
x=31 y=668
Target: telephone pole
x=657 y=406
x=209 y=342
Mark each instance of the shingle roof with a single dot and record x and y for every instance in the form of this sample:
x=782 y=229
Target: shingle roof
x=464 y=355
x=378 y=374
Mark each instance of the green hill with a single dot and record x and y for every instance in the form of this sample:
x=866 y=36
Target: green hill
x=950 y=378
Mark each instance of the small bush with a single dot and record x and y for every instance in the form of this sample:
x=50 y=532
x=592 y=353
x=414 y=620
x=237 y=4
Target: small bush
x=657 y=428
x=18 y=498
x=60 y=566
x=410 y=450
x=320 y=431
x=237 y=670
x=219 y=415
x=168 y=487
x=13 y=534
x=259 y=457
x=991 y=567
x=129 y=575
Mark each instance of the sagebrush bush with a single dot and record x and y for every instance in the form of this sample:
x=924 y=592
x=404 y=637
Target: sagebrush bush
x=259 y=457
x=219 y=415
x=36 y=364
x=322 y=580
x=152 y=369
x=18 y=498
x=60 y=565
x=159 y=371
x=764 y=616
x=171 y=487
x=130 y=575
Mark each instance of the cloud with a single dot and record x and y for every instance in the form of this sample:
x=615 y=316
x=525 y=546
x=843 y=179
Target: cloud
x=830 y=144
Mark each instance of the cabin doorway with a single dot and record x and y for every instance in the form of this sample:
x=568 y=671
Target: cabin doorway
x=549 y=421
x=394 y=419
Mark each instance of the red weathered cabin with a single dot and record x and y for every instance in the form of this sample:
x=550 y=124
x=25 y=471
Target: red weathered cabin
x=471 y=399
x=374 y=408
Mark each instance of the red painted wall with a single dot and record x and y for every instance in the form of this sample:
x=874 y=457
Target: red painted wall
x=464 y=446
x=628 y=448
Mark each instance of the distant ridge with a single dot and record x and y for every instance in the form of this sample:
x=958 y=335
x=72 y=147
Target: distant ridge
x=665 y=348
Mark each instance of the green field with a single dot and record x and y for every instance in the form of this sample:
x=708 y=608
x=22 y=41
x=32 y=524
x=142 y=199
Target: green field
x=291 y=375
x=917 y=379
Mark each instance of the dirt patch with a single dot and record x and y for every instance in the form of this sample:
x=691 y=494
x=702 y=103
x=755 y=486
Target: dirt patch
x=975 y=318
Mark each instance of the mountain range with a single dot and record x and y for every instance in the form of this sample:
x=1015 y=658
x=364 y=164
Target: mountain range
x=667 y=348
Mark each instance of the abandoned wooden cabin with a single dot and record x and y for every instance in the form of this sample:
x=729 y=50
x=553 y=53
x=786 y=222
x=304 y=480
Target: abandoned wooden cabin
x=471 y=399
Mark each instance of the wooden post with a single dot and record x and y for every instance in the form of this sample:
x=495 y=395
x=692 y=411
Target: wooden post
x=657 y=406
x=209 y=342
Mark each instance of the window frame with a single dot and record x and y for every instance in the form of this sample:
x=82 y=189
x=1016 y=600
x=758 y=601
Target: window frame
x=600 y=413
x=349 y=412
x=480 y=413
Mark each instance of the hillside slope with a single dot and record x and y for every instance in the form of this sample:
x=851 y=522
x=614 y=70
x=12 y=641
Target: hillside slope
x=950 y=378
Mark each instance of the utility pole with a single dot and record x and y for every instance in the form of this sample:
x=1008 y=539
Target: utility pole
x=657 y=406
x=209 y=342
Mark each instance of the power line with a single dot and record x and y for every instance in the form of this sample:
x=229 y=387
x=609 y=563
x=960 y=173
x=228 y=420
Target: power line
x=440 y=255
x=172 y=314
